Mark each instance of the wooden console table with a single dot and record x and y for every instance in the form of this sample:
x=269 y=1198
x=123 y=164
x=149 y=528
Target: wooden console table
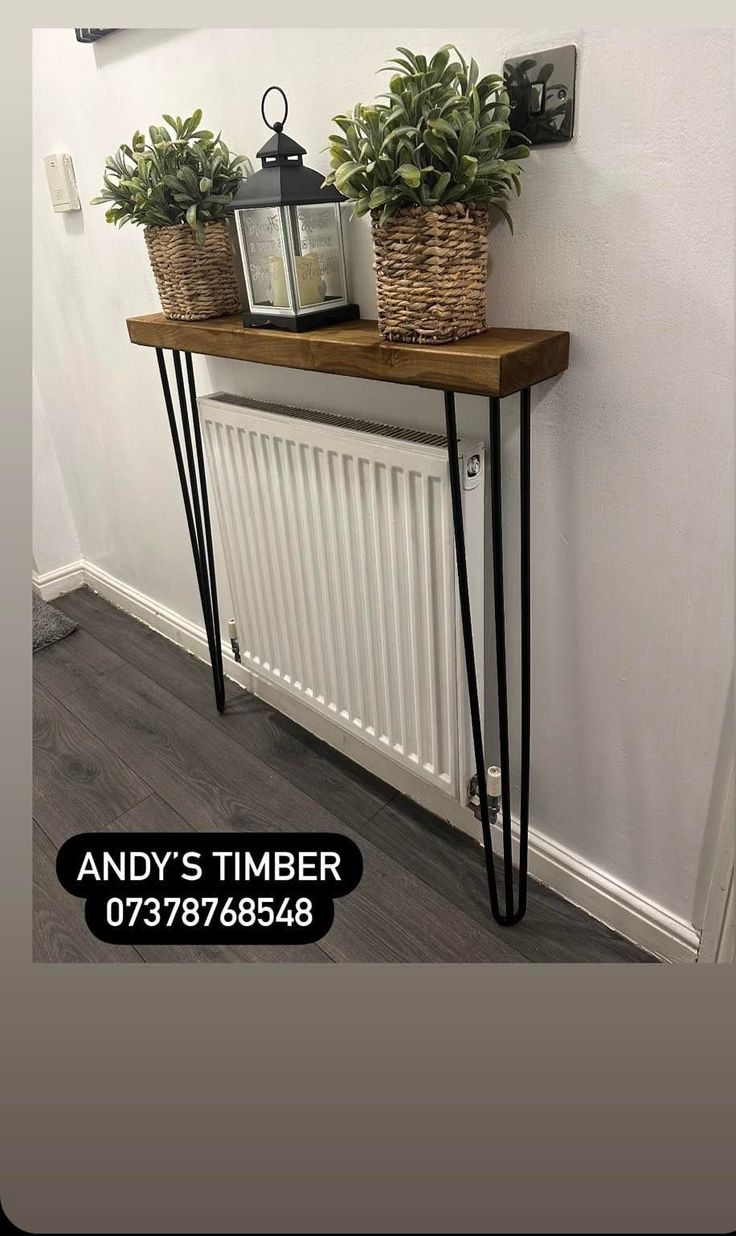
x=497 y=363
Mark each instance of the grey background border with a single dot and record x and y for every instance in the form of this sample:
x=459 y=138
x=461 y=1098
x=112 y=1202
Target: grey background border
x=358 y=1098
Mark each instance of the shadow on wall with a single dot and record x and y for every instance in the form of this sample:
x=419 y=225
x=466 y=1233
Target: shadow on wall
x=124 y=43
x=73 y=222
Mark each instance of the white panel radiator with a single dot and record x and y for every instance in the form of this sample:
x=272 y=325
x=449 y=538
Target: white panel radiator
x=338 y=541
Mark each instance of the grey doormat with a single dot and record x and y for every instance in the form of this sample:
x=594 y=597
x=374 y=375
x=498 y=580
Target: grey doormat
x=49 y=624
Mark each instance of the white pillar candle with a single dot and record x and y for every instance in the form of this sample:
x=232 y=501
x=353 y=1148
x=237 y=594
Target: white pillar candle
x=279 y=294
x=309 y=279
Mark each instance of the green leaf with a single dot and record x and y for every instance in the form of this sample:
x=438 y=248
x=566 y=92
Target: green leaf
x=409 y=56
x=192 y=215
x=489 y=83
x=442 y=127
x=467 y=168
x=393 y=135
x=345 y=172
x=380 y=195
x=189 y=179
x=410 y=175
x=495 y=128
x=440 y=60
x=502 y=211
x=440 y=185
x=465 y=138
x=437 y=145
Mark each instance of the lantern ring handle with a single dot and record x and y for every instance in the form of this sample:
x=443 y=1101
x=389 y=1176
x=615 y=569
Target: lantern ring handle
x=277 y=125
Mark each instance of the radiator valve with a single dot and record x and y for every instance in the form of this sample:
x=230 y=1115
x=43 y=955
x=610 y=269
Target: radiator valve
x=232 y=630
x=493 y=790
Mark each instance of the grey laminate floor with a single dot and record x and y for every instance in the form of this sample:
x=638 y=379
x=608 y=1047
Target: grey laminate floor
x=126 y=736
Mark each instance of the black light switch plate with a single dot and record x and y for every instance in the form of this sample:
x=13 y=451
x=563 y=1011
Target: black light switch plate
x=541 y=90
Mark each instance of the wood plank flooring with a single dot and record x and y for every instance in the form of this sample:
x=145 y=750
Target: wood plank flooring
x=126 y=737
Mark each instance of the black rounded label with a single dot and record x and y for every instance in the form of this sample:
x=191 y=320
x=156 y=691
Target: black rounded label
x=209 y=888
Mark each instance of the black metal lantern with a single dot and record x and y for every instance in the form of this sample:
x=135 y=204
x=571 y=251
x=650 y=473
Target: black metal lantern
x=287 y=236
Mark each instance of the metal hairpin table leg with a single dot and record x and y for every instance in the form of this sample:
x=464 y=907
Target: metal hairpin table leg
x=196 y=504
x=508 y=916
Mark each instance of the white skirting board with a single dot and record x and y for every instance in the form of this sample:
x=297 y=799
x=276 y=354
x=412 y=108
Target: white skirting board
x=599 y=894
x=63 y=579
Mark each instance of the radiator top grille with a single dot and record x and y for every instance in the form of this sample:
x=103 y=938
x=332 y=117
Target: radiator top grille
x=358 y=424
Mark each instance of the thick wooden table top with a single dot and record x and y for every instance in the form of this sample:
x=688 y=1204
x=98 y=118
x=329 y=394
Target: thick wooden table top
x=498 y=362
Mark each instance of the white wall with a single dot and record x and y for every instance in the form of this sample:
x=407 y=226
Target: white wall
x=55 y=539
x=623 y=237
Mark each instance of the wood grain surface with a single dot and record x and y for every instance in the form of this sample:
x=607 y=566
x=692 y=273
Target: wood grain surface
x=498 y=362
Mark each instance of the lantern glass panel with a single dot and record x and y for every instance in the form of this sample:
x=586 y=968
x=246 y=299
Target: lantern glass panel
x=319 y=263
x=263 y=242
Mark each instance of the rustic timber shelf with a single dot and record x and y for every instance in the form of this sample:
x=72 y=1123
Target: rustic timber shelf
x=499 y=362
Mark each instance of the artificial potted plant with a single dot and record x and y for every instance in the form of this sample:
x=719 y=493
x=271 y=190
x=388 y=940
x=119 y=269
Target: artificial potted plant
x=176 y=186
x=431 y=165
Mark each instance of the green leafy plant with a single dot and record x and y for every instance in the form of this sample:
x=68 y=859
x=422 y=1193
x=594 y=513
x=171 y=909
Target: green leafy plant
x=183 y=175
x=442 y=136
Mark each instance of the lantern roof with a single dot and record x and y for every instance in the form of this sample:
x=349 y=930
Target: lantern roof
x=280 y=146
x=284 y=185
x=282 y=180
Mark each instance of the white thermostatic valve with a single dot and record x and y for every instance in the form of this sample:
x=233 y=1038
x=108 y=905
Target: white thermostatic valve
x=62 y=182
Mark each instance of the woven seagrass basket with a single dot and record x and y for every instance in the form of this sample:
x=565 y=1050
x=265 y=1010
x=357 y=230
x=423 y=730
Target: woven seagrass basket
x=431 y=271
x=194 y=281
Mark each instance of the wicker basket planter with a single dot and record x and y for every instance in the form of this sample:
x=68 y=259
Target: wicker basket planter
x=194 y=281
x=431 y=271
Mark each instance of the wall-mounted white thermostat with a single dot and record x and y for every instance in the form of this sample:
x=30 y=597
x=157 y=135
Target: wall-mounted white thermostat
x=62 y=182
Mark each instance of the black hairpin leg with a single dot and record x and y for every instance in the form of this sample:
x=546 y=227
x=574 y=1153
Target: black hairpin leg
x=196 y=504
x=508 y=916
